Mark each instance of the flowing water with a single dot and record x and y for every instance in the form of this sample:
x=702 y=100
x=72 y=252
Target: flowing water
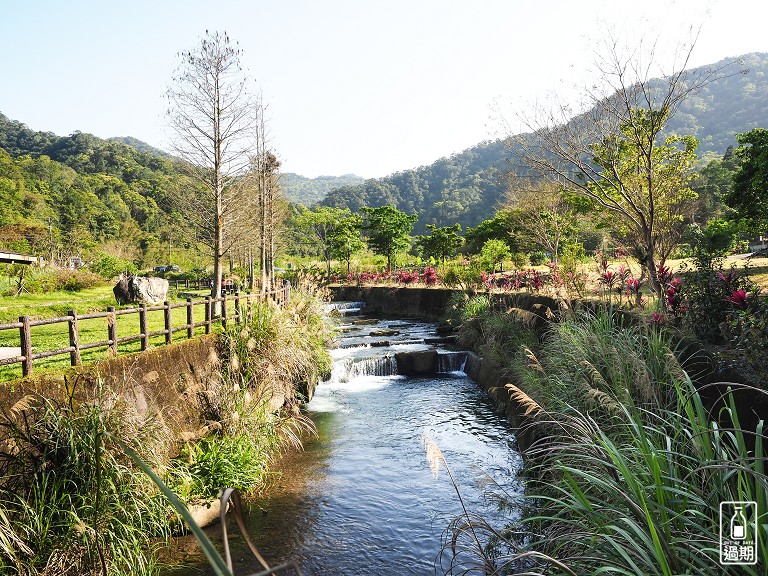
x=361 y=499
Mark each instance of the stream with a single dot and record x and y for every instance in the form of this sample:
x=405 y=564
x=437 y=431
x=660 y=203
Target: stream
x=361 y=499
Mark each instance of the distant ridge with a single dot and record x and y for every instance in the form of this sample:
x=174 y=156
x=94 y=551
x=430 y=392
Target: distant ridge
x=140 y=146
x=469 y=186
x=308 y=191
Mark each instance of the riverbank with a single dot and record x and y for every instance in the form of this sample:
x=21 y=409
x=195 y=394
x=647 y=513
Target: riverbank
x=205 y=413
x=361 y=499
x=606 y=417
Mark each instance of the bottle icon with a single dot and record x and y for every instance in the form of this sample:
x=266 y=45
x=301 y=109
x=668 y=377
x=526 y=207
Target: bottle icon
x=738 y=524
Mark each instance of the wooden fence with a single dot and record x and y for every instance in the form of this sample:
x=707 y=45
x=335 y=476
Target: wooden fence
x=243 y=305
x=198 y=284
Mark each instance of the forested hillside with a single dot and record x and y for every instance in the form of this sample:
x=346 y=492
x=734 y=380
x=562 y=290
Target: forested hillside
x=309 y=191
x=64 y=196
x=464 y=188
x=75 y=195
x=469 y=186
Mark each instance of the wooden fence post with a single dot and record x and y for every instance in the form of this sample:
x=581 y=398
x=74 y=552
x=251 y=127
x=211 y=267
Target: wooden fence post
x=208 y=314
x=224 y=310
x=25 y=337
x=167 y=317
x=74 y=339
x=143 y=326
x=238 y=315
x=190 y=319
x=112 y=330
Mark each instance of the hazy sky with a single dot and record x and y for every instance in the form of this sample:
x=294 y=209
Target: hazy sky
x=364 y=87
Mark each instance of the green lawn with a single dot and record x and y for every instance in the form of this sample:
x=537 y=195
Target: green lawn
x=56 y=336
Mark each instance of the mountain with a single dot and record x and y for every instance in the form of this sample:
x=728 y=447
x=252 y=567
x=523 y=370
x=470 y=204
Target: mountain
x=469 y=186
x=140 y=146
x=464 y=187
x=309 y=191
x=79 y=192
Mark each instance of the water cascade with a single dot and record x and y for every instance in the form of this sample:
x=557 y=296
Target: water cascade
x=361 y=499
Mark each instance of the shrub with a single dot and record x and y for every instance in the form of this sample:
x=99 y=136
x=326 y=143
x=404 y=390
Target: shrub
x=706 y=291
x=407 y=277
x=463 y=275
x=538 y=258
x=748 y=332
x=44 y=281
x=429 y=276
x=493 y=253
x=70 y=497
x=108 y=266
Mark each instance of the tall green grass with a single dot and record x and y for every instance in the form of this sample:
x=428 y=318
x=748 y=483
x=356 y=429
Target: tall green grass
x=255 y=406
x=629 y=467
x=70 y=501
x=596 y=362
x=641 y=497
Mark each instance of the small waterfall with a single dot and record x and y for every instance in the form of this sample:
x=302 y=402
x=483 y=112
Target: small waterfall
x=451 y=362
x=345 y=308
x=350 y=368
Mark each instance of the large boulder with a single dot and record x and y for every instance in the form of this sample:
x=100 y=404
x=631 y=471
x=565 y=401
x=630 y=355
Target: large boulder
x=130 y=289
x=150 y=290
x=123 y=290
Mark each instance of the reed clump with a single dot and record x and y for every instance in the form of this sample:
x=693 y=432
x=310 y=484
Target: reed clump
x=628 y=467
x=72 y=500
x=270 y=362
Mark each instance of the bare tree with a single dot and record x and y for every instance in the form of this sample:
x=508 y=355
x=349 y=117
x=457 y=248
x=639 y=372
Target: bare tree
x=255 y=227
x=214 y=115
x=543 y=213
x=614 y=154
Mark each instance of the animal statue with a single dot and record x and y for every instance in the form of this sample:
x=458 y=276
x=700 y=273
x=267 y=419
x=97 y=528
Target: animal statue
x=130 y=289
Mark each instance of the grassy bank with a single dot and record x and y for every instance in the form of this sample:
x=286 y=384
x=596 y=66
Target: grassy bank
x=629 y=468
x=72 y=502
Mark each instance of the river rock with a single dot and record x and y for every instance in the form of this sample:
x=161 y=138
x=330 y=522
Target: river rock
x=417 y=363
x=378 y=333
x=131 y=289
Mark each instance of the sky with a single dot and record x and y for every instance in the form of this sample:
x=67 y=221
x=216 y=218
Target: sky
x=364 y=87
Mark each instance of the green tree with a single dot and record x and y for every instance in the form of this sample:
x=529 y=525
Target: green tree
x=324 y=227
x=388 y=230
x=546 y=214
x=713 y=184
x=493 y=253
x=345 y=239
x=615 y=155
x=442 y=243
x=749 y=196
x=503 y=226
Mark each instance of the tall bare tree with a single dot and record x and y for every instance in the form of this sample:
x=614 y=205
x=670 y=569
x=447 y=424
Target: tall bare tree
x=255 y=227
x=614 y=152
x=214 y=114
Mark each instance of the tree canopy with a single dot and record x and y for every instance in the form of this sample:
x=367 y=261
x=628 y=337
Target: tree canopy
x=749 y=196
x=442 y=243
x=388 y=230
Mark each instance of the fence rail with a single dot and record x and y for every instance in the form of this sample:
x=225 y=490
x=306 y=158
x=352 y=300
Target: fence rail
x=243 y=305
x=199 y=284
